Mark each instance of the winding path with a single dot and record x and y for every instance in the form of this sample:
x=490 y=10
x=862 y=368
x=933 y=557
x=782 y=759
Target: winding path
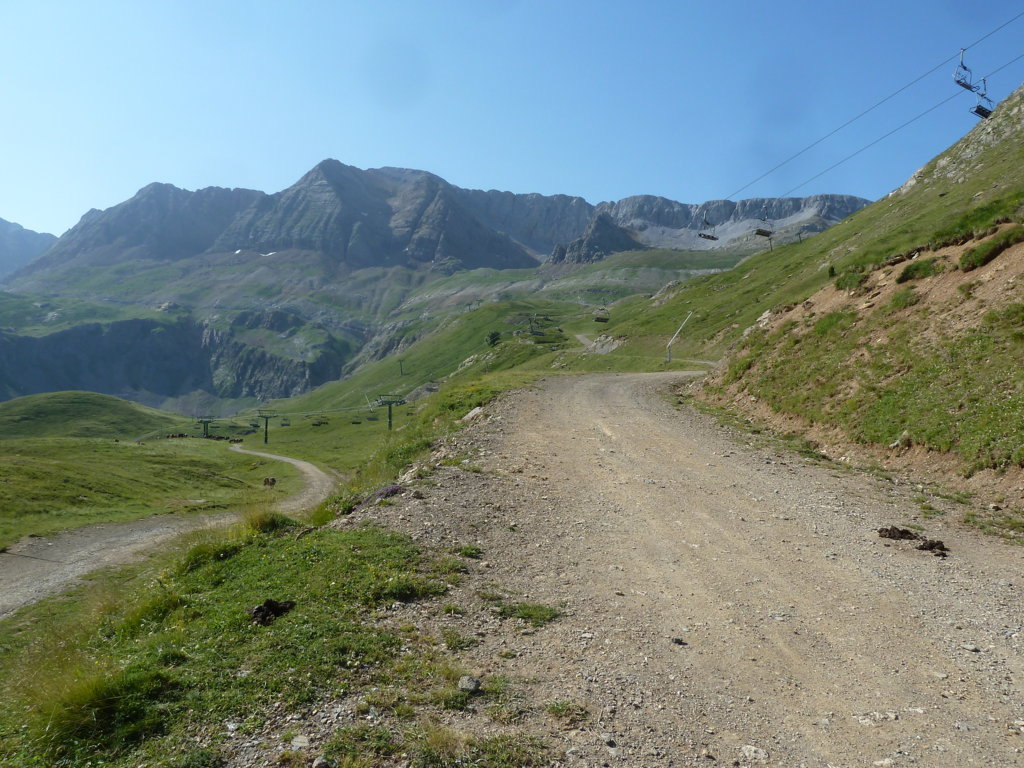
x=39 y=566
x=318 y=483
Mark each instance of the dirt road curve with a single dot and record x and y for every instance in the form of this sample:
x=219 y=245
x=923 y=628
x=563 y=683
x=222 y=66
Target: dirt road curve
x=727 y=601
x=36 y=567
x=318 y=483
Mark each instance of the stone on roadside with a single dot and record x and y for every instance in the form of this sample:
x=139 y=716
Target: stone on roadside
x=750 y=752
x=470 y=684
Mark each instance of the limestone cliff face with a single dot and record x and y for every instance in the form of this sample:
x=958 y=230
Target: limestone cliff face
x=663 y=223
x=540 y=222
x=143 y=359
x=161 y=222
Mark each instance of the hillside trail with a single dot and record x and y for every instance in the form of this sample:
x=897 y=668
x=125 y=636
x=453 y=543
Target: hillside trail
x=318 y=484
x=39 y=566
x=725 y=602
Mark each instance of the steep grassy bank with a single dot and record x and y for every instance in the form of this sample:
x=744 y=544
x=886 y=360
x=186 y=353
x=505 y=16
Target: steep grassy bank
x=975 y=183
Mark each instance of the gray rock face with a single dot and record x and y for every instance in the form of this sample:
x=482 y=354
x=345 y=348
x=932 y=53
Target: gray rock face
x=149 y=360
x=18 y=246
x=602 y=238
x=383 y=217
x=161 y=222
x=663 y=223
x=539 y=222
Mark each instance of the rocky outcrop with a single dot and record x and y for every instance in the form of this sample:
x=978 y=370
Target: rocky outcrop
x=18 y=246
x=602 y=238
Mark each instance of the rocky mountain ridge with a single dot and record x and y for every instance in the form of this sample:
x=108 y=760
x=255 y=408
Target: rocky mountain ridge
x=338 y=253
x=18 y=246
x=389 y=217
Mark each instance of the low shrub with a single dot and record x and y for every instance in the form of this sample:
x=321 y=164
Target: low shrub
x=903 y=298
x=851 y=278
x=918 y=269
x=208 y=552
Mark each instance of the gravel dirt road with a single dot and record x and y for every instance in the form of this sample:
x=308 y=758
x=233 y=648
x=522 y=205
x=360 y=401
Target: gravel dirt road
x=38 y=566
x=725 y=602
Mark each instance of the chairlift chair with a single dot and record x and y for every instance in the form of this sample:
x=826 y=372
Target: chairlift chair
x=984 y=106
x=766 y=230
x=963 y=76
x=601 y=316
x=707 y=230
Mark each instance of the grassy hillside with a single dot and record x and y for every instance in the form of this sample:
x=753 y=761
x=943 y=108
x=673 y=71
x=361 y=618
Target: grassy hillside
x=52 y=484
x=37 y=315
x=83 y=414
x=899 y=329
x=69 y=459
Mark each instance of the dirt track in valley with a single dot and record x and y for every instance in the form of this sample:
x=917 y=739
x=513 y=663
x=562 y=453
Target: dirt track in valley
x=38 y=566
x=725 y=602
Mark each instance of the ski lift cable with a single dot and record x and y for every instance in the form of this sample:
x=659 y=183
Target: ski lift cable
x=873 y=107
x=894 y=130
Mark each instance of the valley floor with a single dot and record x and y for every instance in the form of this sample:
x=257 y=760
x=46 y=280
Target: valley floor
x=721 y=599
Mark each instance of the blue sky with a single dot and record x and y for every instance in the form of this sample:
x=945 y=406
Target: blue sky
x=584 y=97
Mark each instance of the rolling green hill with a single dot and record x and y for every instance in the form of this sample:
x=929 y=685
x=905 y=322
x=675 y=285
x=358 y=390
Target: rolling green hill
x=83 y=414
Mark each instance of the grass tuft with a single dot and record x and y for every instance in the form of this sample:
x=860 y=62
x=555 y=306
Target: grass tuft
x=105 y=711
x=534 y=613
